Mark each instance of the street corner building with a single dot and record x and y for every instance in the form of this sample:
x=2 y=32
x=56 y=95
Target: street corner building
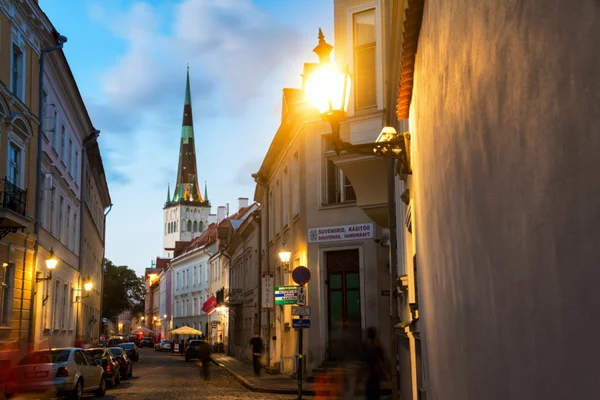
x=53 y=195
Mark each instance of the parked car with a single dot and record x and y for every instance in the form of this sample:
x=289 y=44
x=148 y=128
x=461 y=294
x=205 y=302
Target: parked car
x=66 y=371
x=163 y=345
x=197 y=349
x=114 y=341
x=109 y=363
x=125 y=364
x=146 y=342
x=131 y=350
x=134 y=339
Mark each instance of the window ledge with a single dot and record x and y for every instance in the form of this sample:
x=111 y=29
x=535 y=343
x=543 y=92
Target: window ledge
x=346 y=204
x=6 y=328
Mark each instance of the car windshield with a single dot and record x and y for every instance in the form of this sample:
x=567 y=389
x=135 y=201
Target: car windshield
x=166 y=342
x=127 y=346
x=116 y=351
x=96 y=353
x=46 y=357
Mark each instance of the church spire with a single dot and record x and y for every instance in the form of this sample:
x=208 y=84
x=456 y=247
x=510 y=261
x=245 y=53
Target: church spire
x=168 y=193
x=186 y=187
x=205 y=191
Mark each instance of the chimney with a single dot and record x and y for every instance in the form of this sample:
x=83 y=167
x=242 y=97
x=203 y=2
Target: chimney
x=242 y=202
x=220 y=213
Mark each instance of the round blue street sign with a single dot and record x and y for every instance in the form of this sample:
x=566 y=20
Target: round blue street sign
x=301 y=275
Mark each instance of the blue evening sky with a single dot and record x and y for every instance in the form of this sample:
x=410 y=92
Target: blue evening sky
x=129 y=59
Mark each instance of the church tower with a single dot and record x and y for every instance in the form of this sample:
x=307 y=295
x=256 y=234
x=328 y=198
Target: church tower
x=186 y=213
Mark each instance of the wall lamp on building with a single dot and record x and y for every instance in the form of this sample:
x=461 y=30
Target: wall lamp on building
x=87 y=286
x=51 y=263
x=328 y=89
x=284 y=256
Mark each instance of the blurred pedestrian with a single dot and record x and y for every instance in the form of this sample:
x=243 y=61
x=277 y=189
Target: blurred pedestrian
x=204 y=356
x=257 y=348
x=375 y=364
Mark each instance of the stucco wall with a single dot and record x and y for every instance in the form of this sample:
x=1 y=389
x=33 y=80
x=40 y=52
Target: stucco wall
x=506 y=130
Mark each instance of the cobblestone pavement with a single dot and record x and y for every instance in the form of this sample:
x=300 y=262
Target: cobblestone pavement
x=161 y=376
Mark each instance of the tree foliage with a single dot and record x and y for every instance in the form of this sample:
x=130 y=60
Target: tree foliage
x=122 y=291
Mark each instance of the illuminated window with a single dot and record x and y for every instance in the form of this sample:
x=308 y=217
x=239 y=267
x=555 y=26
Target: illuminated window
x=365 y=44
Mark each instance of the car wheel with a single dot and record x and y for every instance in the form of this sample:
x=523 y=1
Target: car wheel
x=101 y=391
x=77 y=393
x=131 y=371
x=117 y=379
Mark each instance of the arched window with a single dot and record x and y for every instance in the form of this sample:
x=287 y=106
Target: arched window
x=183 y=225
x=168 y=228
x=201 y=227
x=195 y=226
x=189 y=226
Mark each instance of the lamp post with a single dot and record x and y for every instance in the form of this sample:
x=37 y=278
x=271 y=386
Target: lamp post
x=328 y=88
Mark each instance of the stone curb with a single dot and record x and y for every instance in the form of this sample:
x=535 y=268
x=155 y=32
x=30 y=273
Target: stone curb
x=261 y=389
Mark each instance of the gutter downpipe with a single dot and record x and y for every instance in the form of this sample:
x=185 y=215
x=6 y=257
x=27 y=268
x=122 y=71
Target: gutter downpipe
x=102 y=269
x=260 y=181
x=38 y=178
x=88 y=141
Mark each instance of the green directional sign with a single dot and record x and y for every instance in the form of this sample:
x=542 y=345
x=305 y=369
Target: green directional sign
x=286 y=295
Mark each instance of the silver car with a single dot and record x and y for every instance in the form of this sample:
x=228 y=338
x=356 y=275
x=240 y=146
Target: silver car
x=163 y=345
x=65 y=371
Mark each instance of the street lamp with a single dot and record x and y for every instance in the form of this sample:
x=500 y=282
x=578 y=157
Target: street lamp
x=87 y=286
x=328 y=89
x=51 y=263
x=284 y=256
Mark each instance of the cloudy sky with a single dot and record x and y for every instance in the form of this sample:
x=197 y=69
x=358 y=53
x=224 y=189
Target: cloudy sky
x=129 y=59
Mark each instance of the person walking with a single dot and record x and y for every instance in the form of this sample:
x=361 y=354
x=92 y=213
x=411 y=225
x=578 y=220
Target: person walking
x=204 y=356
x=257 y=348
x=375 y=364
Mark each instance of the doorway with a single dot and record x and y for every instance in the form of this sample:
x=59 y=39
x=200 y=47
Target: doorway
x=343 y=299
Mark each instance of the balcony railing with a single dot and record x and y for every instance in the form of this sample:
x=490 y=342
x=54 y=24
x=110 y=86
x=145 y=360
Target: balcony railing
x=13 y=197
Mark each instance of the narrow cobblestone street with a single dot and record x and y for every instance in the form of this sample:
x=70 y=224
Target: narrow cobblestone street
x=161 y=376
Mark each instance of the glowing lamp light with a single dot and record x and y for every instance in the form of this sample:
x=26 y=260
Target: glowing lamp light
x=165 y=316
x=51 y=261
x=88 y=286
x=284 y=256
x=328 y=89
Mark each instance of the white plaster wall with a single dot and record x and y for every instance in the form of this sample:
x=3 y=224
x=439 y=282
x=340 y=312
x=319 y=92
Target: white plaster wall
x=505 y=121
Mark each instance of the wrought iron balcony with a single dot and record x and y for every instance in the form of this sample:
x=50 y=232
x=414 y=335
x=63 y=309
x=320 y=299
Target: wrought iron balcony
x=13 y=208
x=13 y=198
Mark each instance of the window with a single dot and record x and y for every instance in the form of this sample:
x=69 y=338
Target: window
x=271 y=215
x=56 y=308
x=14 y=165
x=195 y=226
x=72 y=298
x=65 y=307
x=195 y=275
x=76 y=167
x=68 y=230
x=338 y=188
x=74 y=233
x=177 y=281
x=17 y=84
x=295 y=179
x=285 y=198
x=70 y=160
x=52 y=207
x=365 y=44
x=177 y=309
x=189 y=226
x=55 y=134
x=188 y=278
x=200 y=226
x=60 y=217
x=63 y=138
x=6 y=292
x=195 y=309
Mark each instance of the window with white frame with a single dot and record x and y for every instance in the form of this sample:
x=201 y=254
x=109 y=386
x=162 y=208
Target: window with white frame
x=17 y=71
x=56 y=309
x=74 y=233
x=56 y=133
x=365 y=59
x=7 y=271
x=195 y=275
x=65 y=307
x=337 y=186
x=68 y=228
x=61 y=206
x=177 y=281
x=285 y=198
x=70 y=160
x=71 y=300
x=63 y=144
x=15 y=164
x=52 y=208
x=295 y=180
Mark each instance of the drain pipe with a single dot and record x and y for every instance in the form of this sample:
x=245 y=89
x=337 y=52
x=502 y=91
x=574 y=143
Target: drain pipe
x=102 y=269
x=38 y=179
